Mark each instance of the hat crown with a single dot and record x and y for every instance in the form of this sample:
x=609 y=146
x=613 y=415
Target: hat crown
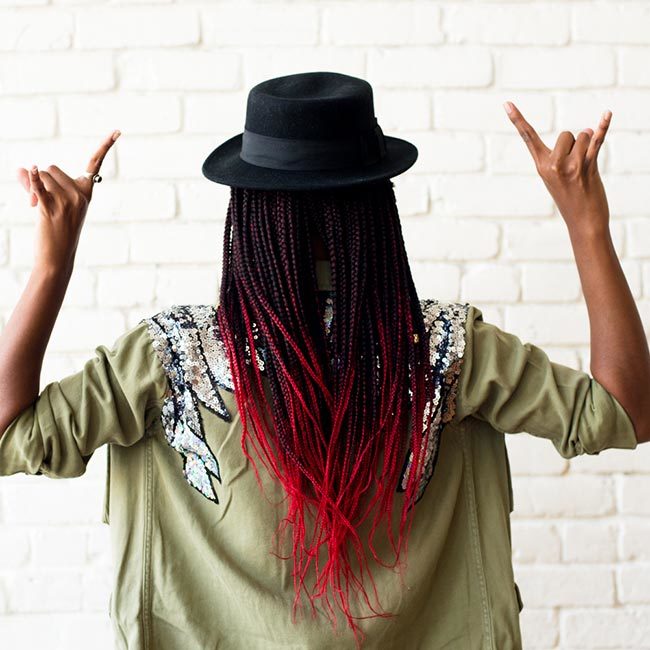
x=310 y=130
x=310 y=105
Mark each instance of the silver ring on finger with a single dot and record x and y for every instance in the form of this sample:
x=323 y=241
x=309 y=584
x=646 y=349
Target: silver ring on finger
x=96 y=178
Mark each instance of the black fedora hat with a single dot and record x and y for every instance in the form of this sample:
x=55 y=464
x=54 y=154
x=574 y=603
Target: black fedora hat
x=311 y=130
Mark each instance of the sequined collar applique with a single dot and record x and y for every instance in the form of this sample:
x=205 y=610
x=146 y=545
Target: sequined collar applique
x=325 y=298
x=445 y=321
x=187 y=342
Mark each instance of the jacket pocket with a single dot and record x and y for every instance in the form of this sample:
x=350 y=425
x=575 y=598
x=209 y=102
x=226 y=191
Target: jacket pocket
x=520 y=602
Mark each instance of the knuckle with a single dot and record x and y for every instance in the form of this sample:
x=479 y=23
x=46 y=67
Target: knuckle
x=52 y=168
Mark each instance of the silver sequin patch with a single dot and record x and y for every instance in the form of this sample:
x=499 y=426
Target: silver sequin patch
x=445 y=322
x=328 y=312
x=187 y=342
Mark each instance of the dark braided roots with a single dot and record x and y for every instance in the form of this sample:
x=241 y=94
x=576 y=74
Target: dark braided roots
x=328 y=422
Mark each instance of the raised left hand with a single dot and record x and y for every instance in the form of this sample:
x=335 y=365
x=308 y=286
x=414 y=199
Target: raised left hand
x=63 y=203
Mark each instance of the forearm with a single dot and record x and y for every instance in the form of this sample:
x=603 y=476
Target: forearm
x=620 y=360
x=24 y=340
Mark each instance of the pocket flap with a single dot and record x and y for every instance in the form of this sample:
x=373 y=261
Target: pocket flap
x=520 y=602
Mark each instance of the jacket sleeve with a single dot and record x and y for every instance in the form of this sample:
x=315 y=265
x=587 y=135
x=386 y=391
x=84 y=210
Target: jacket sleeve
x=114 y=398
x=515 y=387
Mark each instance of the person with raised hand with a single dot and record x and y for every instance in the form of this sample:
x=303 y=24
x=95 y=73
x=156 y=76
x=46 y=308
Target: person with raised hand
x=62 y=205
x=319 y=433
x=619 y=349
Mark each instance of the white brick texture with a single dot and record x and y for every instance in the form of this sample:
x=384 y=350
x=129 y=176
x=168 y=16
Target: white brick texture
x=478 y=223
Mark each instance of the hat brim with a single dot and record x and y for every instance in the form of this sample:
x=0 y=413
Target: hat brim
x=224 y=166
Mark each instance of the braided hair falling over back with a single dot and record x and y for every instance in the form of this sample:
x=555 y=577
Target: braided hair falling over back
x=329 y=417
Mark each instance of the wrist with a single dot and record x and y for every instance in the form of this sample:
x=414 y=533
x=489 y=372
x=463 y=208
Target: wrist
x=51 y=273
x=590 y=234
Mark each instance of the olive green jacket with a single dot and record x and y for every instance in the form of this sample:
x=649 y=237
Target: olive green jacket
x=191 y=533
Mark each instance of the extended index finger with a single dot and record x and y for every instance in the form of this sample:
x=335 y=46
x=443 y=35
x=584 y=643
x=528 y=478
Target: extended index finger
x=534 y=143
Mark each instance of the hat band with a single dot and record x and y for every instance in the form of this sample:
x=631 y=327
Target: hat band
x=306 y=155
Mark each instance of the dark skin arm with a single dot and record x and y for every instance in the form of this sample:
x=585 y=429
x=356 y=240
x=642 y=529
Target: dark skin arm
x=620 y=360
x=63 y=202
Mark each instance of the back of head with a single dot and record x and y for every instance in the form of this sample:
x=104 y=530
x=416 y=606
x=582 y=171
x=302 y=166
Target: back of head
x=331 y=411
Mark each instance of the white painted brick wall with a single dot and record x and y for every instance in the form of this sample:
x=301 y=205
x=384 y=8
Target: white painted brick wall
x=478 y=223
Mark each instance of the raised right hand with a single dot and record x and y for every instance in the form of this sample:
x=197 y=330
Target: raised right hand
x=570 y=171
